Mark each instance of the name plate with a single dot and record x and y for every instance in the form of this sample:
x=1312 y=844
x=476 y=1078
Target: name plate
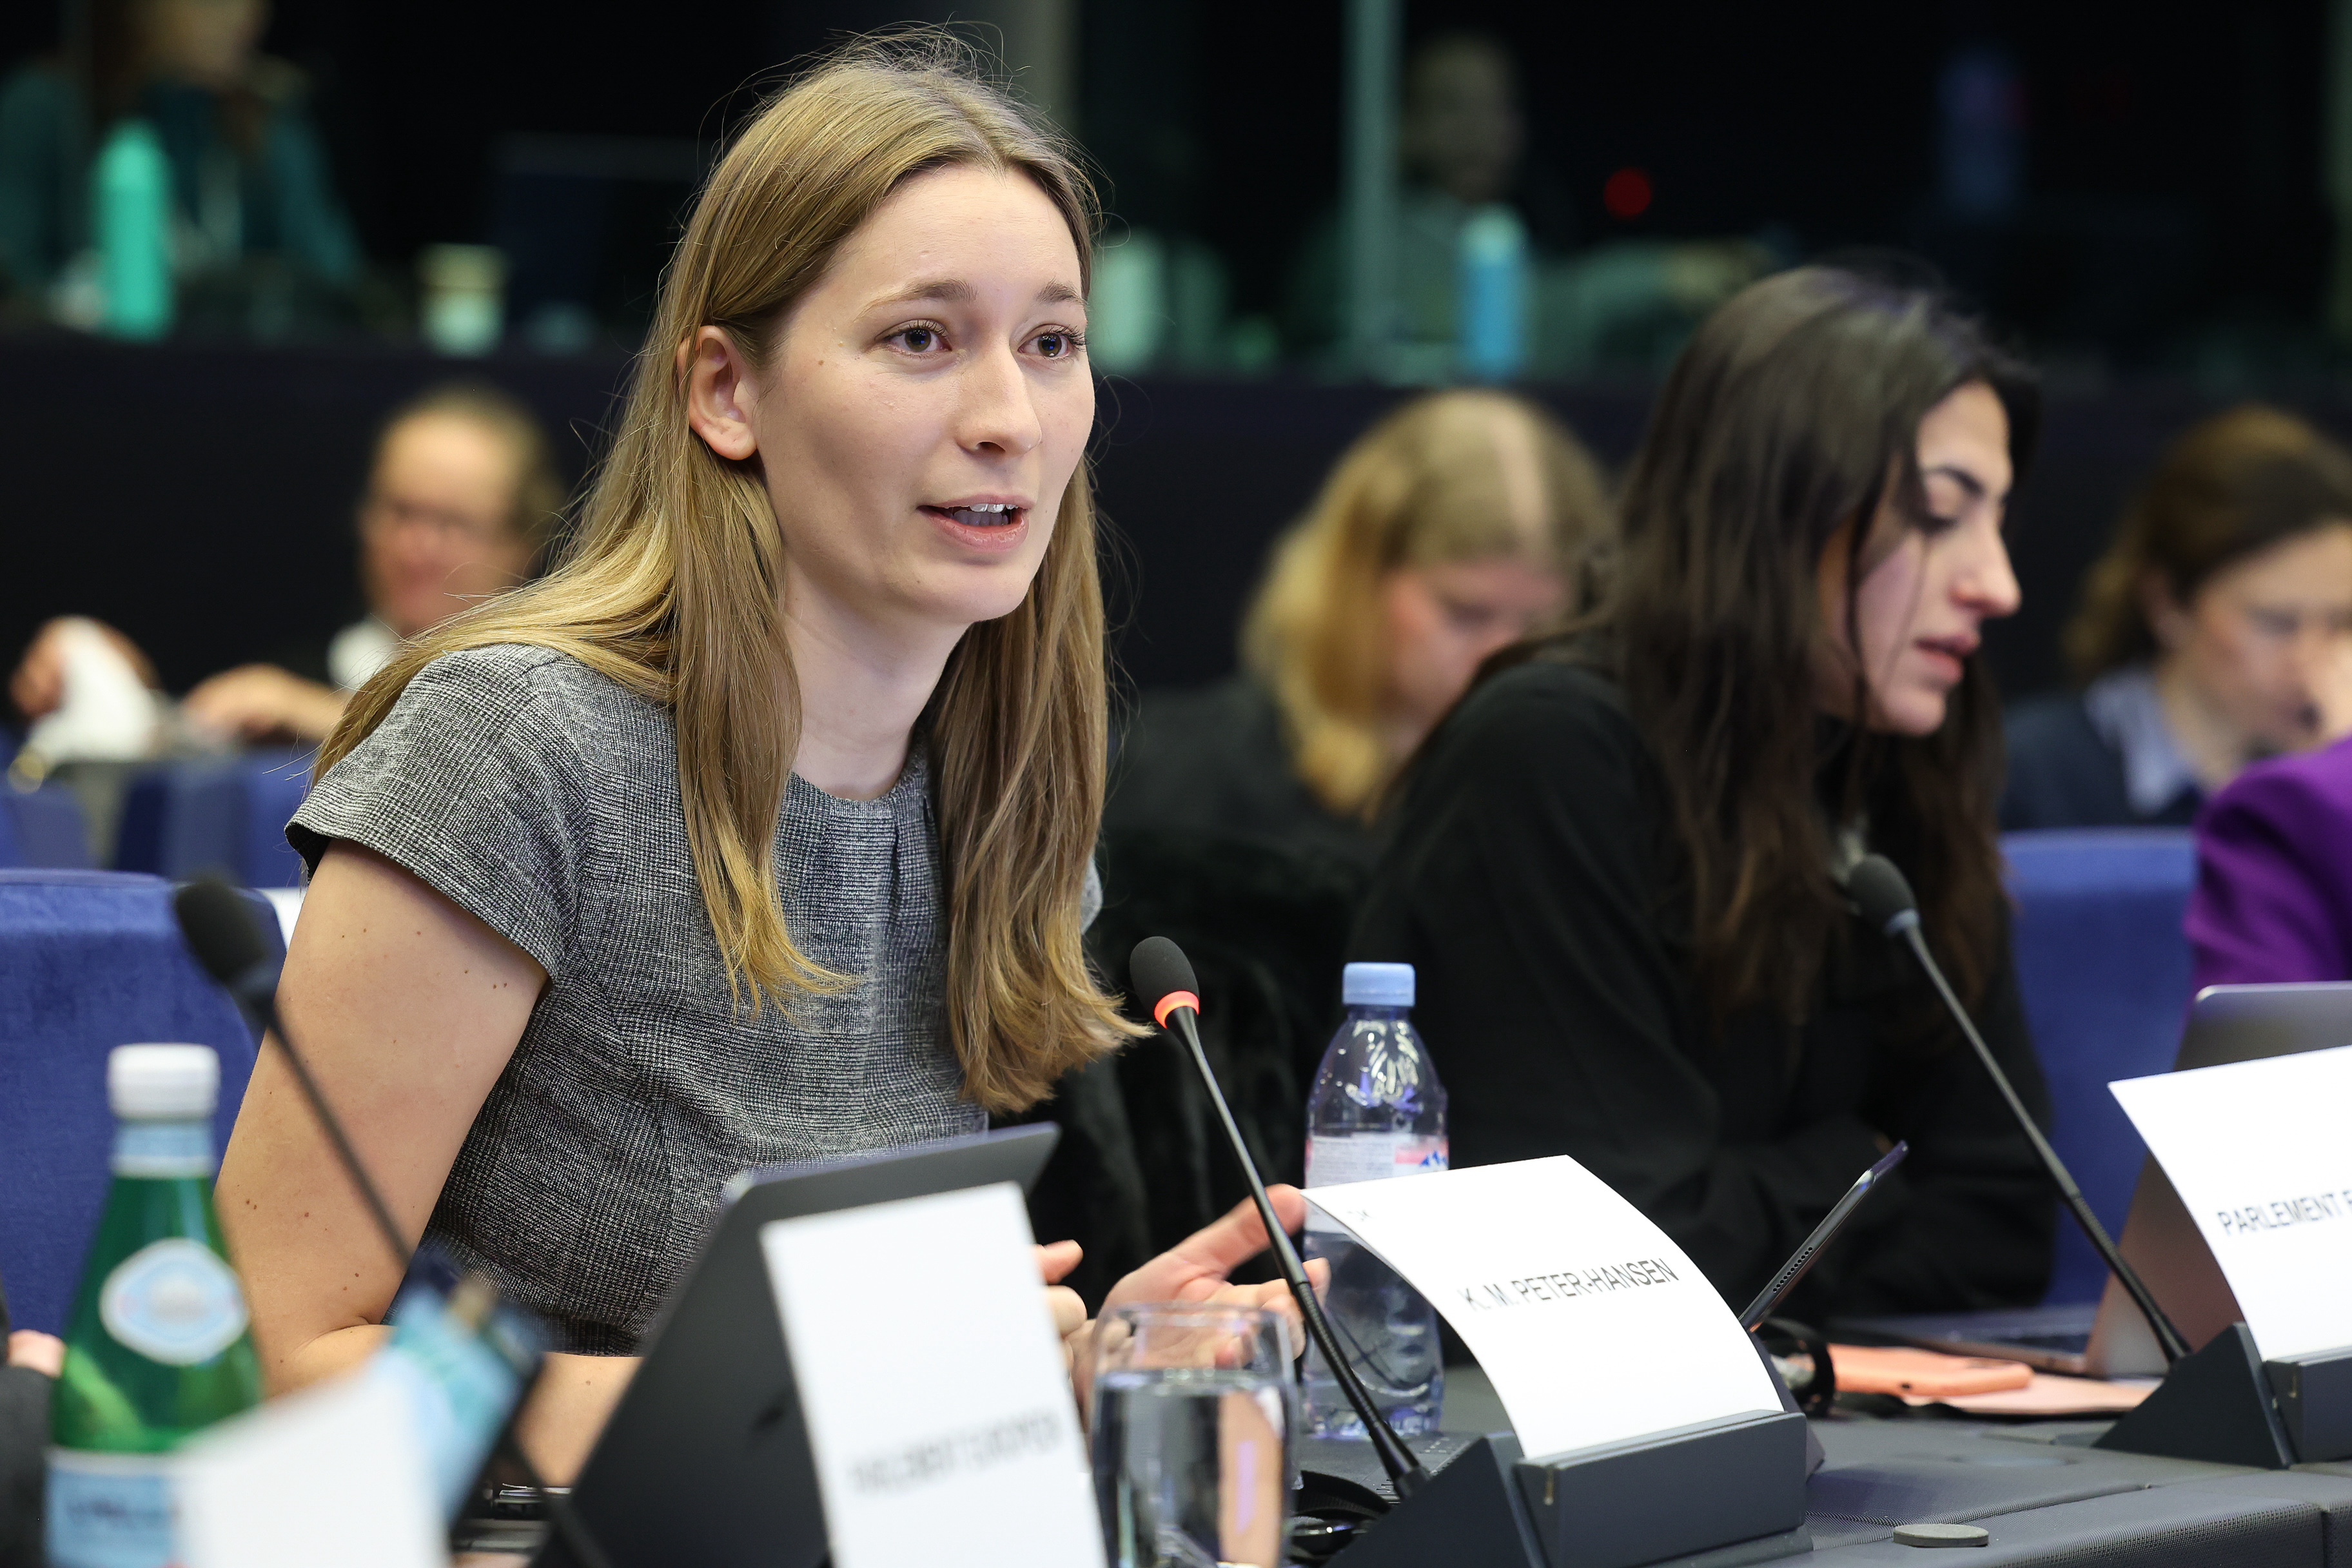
x=939 y=1410
x=2258 y=1153
x=1593 y=1327
x=335 y=1473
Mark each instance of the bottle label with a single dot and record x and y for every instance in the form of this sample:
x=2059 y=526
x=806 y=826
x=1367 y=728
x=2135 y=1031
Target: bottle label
x=1367 y=1157
x=173 y=1301
x=111 y=1511
x=164 y=1149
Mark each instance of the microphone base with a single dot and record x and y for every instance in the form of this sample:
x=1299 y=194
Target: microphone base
x=2314 y=1402
x=2215 y=1405
x=1469 y=1514
x=1721 y=1493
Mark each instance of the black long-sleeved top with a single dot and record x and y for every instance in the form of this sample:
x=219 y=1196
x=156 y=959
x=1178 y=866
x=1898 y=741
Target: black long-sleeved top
x=1530 y=882
x=1213 y=761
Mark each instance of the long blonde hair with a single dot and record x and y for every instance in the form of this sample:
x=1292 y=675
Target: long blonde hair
x=1453 y=476
x=671 y=589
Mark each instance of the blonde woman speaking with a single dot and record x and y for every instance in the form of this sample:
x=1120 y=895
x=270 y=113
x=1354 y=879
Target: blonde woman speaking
x=761 y=829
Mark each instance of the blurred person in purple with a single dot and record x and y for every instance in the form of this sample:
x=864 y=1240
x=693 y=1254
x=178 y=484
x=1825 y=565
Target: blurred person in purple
x=2273 y=899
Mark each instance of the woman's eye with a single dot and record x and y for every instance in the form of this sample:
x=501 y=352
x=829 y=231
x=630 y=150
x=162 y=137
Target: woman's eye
x=1057 y=345
x=918 y=340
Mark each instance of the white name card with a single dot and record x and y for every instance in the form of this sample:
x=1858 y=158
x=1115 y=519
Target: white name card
x=940 y=1413
x=1593 y=1326
x=332 y=1473
x=2258 y=1155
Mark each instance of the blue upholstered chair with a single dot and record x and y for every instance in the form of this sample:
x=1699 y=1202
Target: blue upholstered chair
x=39 y=827
x=221 y=814
x=2105 y=967
x=42 y=827
x=89 y=961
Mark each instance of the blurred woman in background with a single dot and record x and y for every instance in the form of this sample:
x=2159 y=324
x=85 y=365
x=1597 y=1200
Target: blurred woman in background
x=1617 y=864
x=462 y=499
x=2217 y=630
x=261 y=240
x=1455 y=526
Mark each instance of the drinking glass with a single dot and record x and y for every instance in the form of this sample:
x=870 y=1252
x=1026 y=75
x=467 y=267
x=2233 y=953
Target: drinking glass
x=1193 y=1411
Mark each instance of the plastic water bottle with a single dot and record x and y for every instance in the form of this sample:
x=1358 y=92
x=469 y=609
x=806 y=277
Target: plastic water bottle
x=1492 y=286
x=158 y=1348
x=132 y=187
x=1378 y=1110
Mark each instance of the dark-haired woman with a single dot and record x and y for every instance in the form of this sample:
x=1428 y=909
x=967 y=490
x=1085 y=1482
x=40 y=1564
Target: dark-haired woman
x=2215 y=632
x=1617 y=864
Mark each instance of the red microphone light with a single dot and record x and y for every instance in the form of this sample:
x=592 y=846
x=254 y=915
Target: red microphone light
x=1626 y=193
x=1169 y=1002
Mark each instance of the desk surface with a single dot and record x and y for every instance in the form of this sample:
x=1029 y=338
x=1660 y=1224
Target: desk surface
x=2044 y=1496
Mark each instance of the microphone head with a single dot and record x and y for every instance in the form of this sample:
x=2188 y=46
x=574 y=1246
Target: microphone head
x=1884 y=892
x=218 y=929
x=1163 y=977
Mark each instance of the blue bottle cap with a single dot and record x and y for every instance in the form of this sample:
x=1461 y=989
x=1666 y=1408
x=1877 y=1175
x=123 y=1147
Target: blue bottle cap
x=1377 y=985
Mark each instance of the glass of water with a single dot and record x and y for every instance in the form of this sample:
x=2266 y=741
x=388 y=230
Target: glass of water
x=1192 y=1409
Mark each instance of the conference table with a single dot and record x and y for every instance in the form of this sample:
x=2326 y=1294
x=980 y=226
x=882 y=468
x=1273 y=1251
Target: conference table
x=2042 y=1493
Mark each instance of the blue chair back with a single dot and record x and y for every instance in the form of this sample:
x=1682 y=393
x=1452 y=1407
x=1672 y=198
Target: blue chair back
x=89 y=961
x=223 y=814
x=42 y=827
x=2105 y=966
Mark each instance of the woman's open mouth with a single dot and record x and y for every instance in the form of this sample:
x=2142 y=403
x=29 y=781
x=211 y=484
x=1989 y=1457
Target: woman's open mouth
x=990 y=514
x=1947 y=656
x=982 y=525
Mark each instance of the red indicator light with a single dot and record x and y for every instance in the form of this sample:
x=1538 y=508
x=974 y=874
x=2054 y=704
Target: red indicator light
x=1627 y=193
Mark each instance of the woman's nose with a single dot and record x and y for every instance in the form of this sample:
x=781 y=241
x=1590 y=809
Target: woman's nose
x=1985 y=581
x=997 y=410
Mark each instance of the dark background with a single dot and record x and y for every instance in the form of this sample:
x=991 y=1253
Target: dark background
x=2167 y=256
x=2171 y=215
x=202 y=499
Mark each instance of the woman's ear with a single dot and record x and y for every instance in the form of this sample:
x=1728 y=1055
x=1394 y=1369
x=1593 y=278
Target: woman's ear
x=2168 y=618
x=721 y=394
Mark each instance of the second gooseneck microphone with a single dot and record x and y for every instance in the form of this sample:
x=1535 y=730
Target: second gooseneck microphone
x=1162 y=975
x=219 y=930
x=1887 y=902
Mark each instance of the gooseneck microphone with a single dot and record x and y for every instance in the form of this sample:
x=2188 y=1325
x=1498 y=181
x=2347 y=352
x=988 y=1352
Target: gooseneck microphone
x=217 y=925
x=1162 y=974
x=1887 y=902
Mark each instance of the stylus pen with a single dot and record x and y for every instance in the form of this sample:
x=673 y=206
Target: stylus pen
x=1823 y=1234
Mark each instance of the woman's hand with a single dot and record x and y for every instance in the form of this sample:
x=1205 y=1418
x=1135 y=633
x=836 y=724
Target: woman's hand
x=38 y=685
x=255 y=701
x=1054 y=1262
x=1196 y=1268
x=44 y=1353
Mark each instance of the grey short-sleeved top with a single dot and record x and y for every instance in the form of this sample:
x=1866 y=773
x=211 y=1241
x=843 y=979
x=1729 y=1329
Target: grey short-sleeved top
x=543 y=798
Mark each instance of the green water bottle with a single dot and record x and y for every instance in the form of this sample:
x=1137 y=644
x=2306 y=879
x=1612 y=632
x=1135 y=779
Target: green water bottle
x=132 y=210
x=158 y=1348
